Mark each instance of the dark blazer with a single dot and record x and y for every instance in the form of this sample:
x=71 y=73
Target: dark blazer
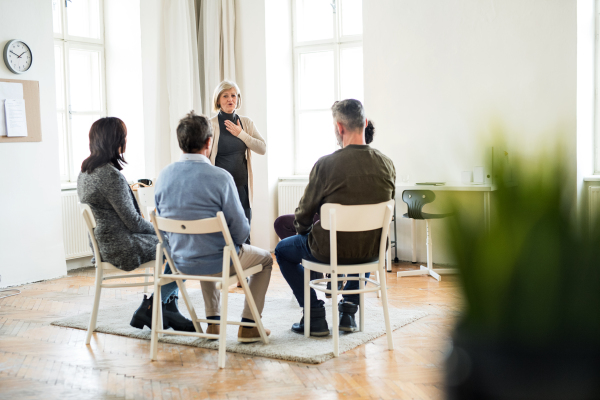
x=125 y=239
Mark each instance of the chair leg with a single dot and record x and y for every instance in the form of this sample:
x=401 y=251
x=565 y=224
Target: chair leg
x=377 y=278
x=155 y=320
x=413 y=243
x=306 y=301
x=189 y=305
x=430 y=270
x=223 y=325
x=361 y=306
x=336 y=323
x=429 y=246
x=224 y=303
x=97 y=294
x=159 y=312
x=386 y=314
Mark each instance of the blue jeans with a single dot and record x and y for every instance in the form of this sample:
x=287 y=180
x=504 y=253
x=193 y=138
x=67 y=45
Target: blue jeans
x=289 y=253
x=170 y=288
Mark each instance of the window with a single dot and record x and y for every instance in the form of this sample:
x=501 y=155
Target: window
x=328 y=62
x=80 y=86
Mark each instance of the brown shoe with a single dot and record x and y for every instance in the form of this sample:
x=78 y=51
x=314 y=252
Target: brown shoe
x=213 y=329
x=249 y=334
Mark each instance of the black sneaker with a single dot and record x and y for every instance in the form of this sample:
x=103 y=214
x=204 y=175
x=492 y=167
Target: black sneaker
x=173 y=318
x=143 y=315
x=318 y=323
x=347 y=311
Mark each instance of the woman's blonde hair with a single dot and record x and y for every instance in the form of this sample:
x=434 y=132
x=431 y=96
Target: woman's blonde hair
x=223 y=86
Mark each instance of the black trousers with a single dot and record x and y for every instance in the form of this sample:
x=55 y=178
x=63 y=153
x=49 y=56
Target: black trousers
x=244 y=196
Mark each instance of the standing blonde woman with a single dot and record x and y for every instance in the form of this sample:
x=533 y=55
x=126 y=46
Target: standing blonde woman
x=235 y=138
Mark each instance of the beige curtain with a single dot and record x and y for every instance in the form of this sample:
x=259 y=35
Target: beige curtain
x=216 y=51
x=182 y=68
x=199 y=53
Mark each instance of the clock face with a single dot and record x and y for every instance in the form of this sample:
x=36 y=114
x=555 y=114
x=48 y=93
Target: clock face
x=17 y=56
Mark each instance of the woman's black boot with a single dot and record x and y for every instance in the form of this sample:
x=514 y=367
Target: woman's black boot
x=143 y=315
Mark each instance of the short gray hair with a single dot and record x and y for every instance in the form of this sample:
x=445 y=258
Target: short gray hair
x=350 y=113
x=223 y=86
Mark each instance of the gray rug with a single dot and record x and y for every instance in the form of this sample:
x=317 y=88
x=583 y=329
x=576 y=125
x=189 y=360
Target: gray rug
x=278 y=316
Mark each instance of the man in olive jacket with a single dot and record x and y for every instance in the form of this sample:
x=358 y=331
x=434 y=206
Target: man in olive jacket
x=355 y=174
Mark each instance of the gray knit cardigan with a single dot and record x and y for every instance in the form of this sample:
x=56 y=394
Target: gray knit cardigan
x=124 y=238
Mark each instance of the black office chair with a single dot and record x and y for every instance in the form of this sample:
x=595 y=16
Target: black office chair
x=415 y=200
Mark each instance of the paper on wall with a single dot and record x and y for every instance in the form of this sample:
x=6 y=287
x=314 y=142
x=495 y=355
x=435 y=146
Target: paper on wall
x=8 y=90
x=16 y=122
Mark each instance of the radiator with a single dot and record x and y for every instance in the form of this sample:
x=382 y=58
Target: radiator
x=75 y=236
x=289 y=194
x=594 y=206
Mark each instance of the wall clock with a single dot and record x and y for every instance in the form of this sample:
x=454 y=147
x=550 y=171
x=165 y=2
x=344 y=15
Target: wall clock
x=17 y=56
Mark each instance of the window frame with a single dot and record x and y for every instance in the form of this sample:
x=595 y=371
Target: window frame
x=67 y=43
x=335 y=44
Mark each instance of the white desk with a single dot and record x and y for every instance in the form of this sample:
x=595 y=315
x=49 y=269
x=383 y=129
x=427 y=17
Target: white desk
x=485 y=189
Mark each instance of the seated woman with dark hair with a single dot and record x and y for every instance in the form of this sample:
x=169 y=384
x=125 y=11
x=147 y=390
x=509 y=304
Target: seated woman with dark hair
x=284 y=225
x=125 y=239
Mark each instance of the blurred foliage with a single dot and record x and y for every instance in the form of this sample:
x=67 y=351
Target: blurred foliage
x=535 y=276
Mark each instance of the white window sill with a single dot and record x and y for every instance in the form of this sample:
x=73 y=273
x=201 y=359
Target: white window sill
x=68 y=185
x=591 y=178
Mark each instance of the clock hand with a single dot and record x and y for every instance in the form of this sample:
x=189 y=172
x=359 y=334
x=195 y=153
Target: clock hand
x=22 y=53
x=18 y=56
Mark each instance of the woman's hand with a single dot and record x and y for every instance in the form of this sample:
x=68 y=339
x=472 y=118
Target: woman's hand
x=233 y=128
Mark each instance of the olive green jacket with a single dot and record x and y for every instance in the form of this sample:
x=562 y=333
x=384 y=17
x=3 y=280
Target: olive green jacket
x=356 y=174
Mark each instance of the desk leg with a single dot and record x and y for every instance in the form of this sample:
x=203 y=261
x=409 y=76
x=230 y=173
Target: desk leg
x=388 y=261
x=487 y=211
x=396 y=242
x=413 y=234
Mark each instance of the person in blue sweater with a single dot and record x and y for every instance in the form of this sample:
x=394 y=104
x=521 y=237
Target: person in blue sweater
x=193 y=188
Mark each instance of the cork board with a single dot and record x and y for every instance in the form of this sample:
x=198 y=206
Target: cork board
x=31 y=94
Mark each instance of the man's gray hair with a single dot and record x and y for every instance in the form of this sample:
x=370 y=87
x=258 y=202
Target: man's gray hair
x=350 y=113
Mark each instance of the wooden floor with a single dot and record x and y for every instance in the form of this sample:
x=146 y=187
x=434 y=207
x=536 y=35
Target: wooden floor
x=38 y=360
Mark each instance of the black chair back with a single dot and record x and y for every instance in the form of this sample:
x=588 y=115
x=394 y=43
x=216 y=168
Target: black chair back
x=416 y=199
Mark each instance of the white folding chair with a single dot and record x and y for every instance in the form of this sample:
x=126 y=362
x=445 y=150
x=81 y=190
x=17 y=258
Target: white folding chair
x=340 y=218
x=201 y=226
x=102 y=266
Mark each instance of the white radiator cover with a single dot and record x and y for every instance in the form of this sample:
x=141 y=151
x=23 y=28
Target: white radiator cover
x=594 y=200
x=75 y=236
x=289 y=195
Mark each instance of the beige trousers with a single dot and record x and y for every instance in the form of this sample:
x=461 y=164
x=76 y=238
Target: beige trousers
x=259 y=283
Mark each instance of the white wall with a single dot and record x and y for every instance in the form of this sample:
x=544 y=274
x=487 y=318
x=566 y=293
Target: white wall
x=438 y=73
x=31 y=245
x=123 y=54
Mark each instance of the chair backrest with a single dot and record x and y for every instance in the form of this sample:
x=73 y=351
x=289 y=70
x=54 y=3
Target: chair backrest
x=193 y=227
x=358 y=218
x=364 y=217
x=90 y=223
x=415 y=200
x=146 y=199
